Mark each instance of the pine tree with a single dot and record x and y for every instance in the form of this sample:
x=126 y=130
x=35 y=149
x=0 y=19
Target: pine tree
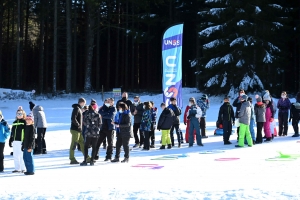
x=241 y=47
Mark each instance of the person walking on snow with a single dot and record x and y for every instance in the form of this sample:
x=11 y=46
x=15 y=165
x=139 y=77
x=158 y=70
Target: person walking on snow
x=194 y=115
x=92 y=123
x=244 y=120
x=295 y=115
x=28 y=145
x=269 y=118
x=176 y=122
x=260 y=116
x=226 y=118
x=4 y=135
x=284 y=106
x=76 y=130
x=16 y=139
x=124 y=134
x=40 y=123
x=137 y=111
x=203 y=103
x=165 y=122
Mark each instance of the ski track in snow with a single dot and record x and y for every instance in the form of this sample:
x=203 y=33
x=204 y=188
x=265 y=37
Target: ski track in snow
x=198 y=176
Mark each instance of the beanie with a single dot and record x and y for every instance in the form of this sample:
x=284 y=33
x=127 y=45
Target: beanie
x=31 y=105
x=258 y=98
x=204 y=97
x=29 y=116
x=267 y=97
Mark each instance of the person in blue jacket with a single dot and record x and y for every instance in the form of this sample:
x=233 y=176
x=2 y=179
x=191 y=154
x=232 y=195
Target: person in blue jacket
x=194 y=114
x=107 y=112
x=4 y=135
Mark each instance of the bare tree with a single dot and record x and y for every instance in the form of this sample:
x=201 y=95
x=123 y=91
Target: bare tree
x=54 y=81
x=69 y=45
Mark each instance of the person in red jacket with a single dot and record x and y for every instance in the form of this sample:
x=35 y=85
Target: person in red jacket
x=187 y=123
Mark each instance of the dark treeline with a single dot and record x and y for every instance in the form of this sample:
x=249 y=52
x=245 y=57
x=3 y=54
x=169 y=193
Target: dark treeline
x=74 y=46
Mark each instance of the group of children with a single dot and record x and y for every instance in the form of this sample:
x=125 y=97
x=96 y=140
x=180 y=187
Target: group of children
x=22 y=139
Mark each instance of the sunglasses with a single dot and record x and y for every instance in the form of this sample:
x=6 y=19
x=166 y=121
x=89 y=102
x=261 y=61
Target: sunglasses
x=19 y=114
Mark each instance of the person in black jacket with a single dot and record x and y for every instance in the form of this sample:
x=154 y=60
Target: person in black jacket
x=237 y=103
x=107 y=112
x=295 y=115
x=125 y=133
x=137 y=111
x=165 y=123
x=124 y=100
x=16 y=139
x=226 y=118
x=28 y=145
x=76 y=130
x=176 y=122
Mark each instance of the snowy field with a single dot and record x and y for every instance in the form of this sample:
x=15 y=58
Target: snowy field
x=186 y=173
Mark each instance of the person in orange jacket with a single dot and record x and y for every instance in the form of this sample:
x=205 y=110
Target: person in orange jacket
x=187 y=123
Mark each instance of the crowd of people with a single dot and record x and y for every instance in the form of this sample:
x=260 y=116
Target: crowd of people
x=92 y=126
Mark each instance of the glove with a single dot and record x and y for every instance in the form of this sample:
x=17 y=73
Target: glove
x=22 y=148
x=290 y=119
x=272 y=119
x=184 y=123
x=10 y=142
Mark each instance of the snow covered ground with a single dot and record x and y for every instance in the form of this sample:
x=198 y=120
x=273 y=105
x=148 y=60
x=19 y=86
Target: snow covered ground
x=189 y=176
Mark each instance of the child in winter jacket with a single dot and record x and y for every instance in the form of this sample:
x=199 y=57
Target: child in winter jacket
x=4 y=134
x=284 y=106
x=28 y=145
x=194 y=115
x=146 y=124
x=203 y=103
x=187 y=123
x=153 y=125
x=165 y=122
x=252 y=118
x=16 y=139
x=260 y=114
x=269 y=118
x=244 y=119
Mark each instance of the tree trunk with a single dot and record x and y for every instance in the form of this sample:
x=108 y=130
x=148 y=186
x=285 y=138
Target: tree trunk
x=12 y=46
x=41 y=51
x=89 y=47
x=19 y=45
x=98 y=53
x=149 y=69
x=1 y=25
x=126 y=48
x=74 y=70
x=118 y=43
x=69 y=45
x=26 y=49
x=108 y=48
x=132 y=53
x=54 y=82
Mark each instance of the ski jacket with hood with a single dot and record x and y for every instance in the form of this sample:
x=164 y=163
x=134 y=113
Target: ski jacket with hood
x=39 y=117
x=76 y=118
x=245 y=113
x=165 y=121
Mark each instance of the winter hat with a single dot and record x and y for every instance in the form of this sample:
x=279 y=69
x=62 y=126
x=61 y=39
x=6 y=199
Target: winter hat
x=31 y=105
x=20 y=109
x=244 y=97
x=95 y=106
x=258 y=98
x=204 y=97
x=267 y=97
x=93 y=101
x=29 y=116
x=192 y=99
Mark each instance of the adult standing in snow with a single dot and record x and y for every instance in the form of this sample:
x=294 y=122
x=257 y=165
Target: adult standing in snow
x=16 y=139
x=194 y=115
x=146 y=124
x=165 y=122
x=237 y=103
x=284 y=106
x=125 y=133
x=187 y=123
x=124 y=100
x=203 y=103
x=295 y=115
x=153 y=125
x=226 y=118
x=244 y=120
x=107 y=112
x=4 y=134
x=76 y=129
x=40 y=123
x=92 y=122
x=137 y=111
x=176 y=122
x=260 y=115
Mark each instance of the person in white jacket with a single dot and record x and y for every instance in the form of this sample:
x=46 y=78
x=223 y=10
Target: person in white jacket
x=194 y=114
x=41 y=124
